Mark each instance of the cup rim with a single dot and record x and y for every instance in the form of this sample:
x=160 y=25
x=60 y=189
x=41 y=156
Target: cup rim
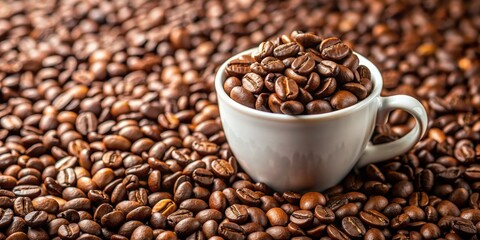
x=220 y=77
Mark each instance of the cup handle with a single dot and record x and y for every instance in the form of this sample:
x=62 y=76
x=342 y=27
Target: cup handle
x=380 y=152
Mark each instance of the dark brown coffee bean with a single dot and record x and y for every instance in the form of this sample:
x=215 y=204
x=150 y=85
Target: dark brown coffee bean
x=89 y=226
x=238 y=67
x=373 y=234
x=292 y=108
x=231 y=231
x=243 y=96
x=252 y=82
x=30 y=191
x=302 y=218
x=327 y=88
x=86 y=122
x=237 y=213
x=265 y=49
x=187 y=226
x=286 y=89
x=6 y=217
x=328 y=68
x=357 y=89
x=272 y=65
x=303 y=64
x=36 y=218
x=374 y=218
x=336 y=233
x=143 y=233
x=334 y=49
x=113 y=219
x=286 y=50
x=353 y=227
x=324 y=214
x=274 y=103
x=248 y=197
x=343 y=99
x=22 y=206
x=69 y=231
x=318 y=107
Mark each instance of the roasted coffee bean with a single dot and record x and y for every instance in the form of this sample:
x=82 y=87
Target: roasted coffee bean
x=36 y=218
x=334 y=49
x=243 y=96
x=252 y=82
x=327 y=88
x=336 y=233
x=303 y=64
x=238 y=67
x=318 y=107
x=187 y=226
x=286 y=88
x=374 y=218
x=142 y=233
x=286 y=50
x=292 y=108
x=231 y=231
x=272 y=65
x=324 y=214
x=343 y=99
x=265 y=49
x=353 y=227
x=237 y=213
x=302 y=218
x=277 y=217
x=69 y=231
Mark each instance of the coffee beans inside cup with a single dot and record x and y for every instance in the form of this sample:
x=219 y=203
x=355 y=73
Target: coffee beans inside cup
x=298 y=74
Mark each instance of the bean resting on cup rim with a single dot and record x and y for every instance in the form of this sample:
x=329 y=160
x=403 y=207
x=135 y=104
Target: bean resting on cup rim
x=298 y=74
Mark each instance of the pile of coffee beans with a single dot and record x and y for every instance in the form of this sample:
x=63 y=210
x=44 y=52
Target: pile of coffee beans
x=109 y=126
x=298 y=74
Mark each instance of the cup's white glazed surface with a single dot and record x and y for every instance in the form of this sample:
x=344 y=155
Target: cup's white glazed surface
x=312 y=152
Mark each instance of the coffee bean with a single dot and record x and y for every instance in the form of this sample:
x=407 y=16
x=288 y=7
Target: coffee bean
x=187 y=226
x=307 y=39
x=353 y=227
x=303 y=64
x=252 y=82
x=292 y=108
x=374 y=218
x=318 y=107
x=36 y=218
x=343 y=99
x=286 y=50
x=230 y=83
x=30 y=191
x=69 y=231
x=274 y=103
x=243 y=96
x=286 y=89
x=22 y=206
x=237 y=213
x=165 y=207
x=143 y=232
x=336 y=233
x=248 y=196
x=6 y=217
x=265 y=49
x=272 y=65
x=327 y=88
x=277 y=217
x=231 y=231
x=303 y=218
x=238 y=67
x=324 y=214
x=334 y=49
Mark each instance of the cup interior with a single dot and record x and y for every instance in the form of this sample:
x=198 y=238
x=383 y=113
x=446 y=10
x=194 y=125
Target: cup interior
x=221 y=76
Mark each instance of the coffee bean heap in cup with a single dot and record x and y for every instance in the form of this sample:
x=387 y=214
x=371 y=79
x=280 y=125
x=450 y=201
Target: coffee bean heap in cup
x=299 y=74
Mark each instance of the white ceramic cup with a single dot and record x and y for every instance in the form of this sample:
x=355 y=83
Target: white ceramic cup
x=313 y=152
